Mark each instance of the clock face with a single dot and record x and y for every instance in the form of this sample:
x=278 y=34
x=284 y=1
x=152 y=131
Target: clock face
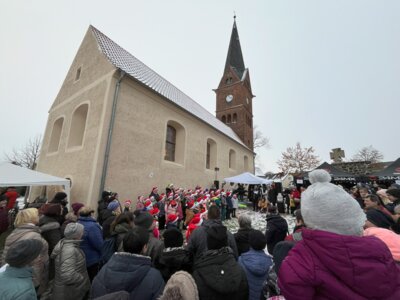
x=229 y=98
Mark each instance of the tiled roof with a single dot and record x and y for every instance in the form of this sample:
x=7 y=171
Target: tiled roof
x=234 y=57
x=125 y=61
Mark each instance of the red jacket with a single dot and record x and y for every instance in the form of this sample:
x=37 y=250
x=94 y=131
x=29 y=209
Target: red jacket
x=12 y=198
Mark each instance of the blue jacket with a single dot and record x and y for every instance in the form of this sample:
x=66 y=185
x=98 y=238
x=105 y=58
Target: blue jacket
x=16 y=283
x=128 y=272
x=92 y=240
x=256 y=264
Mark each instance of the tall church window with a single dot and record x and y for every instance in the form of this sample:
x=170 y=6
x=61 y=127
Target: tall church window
x=229 y=119
x=56 y=135
x=234 y=118
x=170 y=144
x=232 y=159
x=246 y=163
x=78 y=126
x=211 y=154
x=224 y=119
x=175 y=142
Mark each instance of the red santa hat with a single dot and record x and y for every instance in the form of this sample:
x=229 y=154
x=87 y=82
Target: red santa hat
x=147 y=203
x=154 y=211
x=127 y=203
x=173 y=203
x=190 y=204
x=196 y=220
x=172 y=218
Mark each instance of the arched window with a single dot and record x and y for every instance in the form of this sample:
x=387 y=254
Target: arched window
x=229 y=119
x=234 y=118
x=175 y=142
x=224 y=119
x=211 y=154
x=56 y=135
x=246 y=163
x=78 y=125
x=232 y=159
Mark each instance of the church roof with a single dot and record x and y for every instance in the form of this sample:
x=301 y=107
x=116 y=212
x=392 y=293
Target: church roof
x=234 y=58
x=125 y=61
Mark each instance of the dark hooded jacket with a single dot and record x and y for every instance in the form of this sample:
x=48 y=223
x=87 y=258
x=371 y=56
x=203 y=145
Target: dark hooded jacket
x=120 y=230
x=277 y=229
x=198 y=239
x=128 y=272
x=173 y=260
x=242 y=240
x=218 y=276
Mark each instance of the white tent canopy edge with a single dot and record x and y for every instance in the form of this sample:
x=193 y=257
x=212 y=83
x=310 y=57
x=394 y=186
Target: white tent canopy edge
x=247 y=178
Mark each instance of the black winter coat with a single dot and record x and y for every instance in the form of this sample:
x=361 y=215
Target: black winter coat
x=173 y=260
x=128 y=272
x=277 y=229
x=50 y=230
x=242 y=240
x=218 y=276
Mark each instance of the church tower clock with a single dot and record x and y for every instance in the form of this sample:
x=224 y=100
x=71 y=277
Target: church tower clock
x=234 y=97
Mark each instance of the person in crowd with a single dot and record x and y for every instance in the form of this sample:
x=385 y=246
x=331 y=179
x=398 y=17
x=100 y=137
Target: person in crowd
x=242 y=235
x=16 y=281
x=373 y=201
x=49 y=225
x=198 y=242
x=194 y=223
x=277 y=228
x=92 y=241
x=272 y=194
x=4 y=223
x=154 y=194
x=216 y=272
x=377 y=218
x=69 y=218
x=109 y=215
x=394 y=198
x=256 y=263
x=76 y=206
x=329 y=261
x=161 y=213
x=71 y=279
x=172 y=221
x=235 y=205
x=12 y=196
x=61 y=199
x=102 y=205
x=295 y=196
x=296 y=235
x=391 y=239
x=154 y=246
x=130 y=270
x=26 y=228
x=229 y=205
x=127 y=205
x=121 y=225
x=383 y=196
x=180 y=286
x=174 y=256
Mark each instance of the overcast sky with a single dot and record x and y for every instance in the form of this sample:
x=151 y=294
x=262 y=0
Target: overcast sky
x=325 y=73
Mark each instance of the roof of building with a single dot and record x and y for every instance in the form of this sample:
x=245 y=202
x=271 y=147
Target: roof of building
x=125 y=61
x=234 y=57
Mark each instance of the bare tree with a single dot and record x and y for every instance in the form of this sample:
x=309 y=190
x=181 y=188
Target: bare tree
x=28 y=155
x=259 y=140
x=368 y=154
x=297 y=159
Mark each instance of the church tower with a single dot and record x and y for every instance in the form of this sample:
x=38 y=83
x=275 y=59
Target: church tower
x=234 y=97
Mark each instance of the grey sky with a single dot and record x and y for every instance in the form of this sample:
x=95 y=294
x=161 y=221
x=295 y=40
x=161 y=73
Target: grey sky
x=325 y=73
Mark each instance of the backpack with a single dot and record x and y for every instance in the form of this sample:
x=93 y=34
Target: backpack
x=108 y=249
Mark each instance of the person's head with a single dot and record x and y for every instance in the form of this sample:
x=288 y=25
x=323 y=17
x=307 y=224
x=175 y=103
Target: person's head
x=299 y=217
x=60 y=198
x=52 y=210
x=71 y=217
x=73 y=231
x=217 y=237
x=114 y=206
x=143 y=219
x=325 y=206
x=363 y=192
x=377 y=218
x=172 y=238
x=124 y=218
x=155 y=190
x=25 y=216
x=244 y=221
x=393 y=194
x=354 y=190
x=135 y=240
x=76 y=206
x=213 y=213
x=371 y=201
x=86 y=211
x=257 y=240
x=272 y=210
x=23 y=253
x=105 y=195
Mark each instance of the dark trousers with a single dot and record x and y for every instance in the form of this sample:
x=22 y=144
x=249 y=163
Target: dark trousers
x=228 y=213
x=92 y=271
x=233 y=212
x=161 y=222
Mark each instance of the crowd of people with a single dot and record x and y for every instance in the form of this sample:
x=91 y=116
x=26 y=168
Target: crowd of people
x=174 y=245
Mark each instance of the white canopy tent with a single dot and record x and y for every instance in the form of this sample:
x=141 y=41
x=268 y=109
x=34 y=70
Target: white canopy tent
x=247 y=178
x=12 y=175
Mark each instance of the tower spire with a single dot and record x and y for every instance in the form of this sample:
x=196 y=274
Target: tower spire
x=234 y=57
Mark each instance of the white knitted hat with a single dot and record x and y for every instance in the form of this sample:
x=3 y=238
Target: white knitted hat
x=327 y=207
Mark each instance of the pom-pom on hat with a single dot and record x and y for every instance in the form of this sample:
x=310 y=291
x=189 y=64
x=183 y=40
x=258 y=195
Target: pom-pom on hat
x=172 y=218
x=325 y=206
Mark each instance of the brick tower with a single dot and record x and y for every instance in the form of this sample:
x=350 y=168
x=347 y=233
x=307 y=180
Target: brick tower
x=234 y=97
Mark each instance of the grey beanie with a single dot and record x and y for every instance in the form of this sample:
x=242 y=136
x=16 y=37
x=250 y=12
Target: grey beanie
x=327 y=207
x=23 y=252
x=73 y=231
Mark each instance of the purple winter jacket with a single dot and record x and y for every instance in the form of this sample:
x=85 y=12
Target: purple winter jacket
x=326 y=265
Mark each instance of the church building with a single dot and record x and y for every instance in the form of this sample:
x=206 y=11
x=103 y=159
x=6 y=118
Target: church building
x=118 y=125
